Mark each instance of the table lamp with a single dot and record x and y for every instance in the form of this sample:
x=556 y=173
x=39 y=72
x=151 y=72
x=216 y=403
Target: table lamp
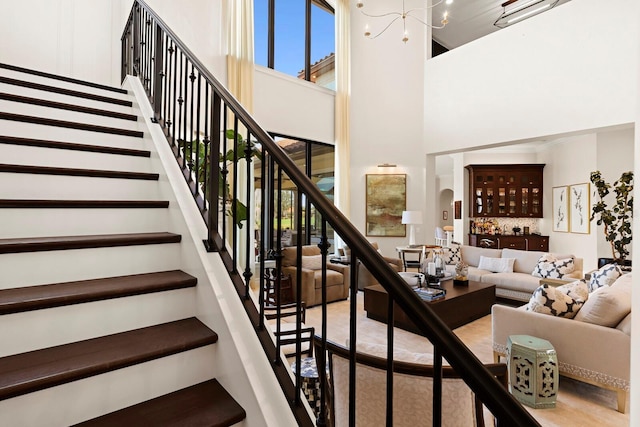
x=412 y=218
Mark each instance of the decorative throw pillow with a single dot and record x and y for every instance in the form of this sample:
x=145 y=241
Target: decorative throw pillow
x=549 y=267
x=312 y=262
x=556 y=301
x=496 y=265
x=606 y=306
x=452 y=254
x=605 y=276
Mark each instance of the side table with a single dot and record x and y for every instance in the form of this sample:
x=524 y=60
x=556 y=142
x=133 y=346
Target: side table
x=533 y=371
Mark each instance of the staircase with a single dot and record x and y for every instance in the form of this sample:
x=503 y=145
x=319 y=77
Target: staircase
x=97 y=316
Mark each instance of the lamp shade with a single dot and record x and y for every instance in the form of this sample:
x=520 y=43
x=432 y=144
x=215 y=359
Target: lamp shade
x=411 y=217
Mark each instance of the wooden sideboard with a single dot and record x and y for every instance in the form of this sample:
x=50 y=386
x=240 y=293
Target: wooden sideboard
x=525 y=242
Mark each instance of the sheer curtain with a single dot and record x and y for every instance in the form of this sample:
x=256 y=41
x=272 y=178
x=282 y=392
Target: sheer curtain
x=240 y=65
x=343 y=95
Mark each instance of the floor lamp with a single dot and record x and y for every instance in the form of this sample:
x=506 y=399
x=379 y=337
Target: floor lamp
x=412 y=218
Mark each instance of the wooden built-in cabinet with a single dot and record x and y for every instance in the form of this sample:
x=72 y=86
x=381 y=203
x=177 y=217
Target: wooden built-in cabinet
x=528 y=242
x=513 y=190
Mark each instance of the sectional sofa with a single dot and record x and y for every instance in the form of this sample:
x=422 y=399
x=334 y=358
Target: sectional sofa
x=517 y=285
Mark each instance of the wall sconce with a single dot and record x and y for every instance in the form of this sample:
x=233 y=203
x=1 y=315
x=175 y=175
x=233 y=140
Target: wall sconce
x=386 y=165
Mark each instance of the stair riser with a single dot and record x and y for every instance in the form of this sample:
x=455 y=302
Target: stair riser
x=72 y=116
x=39 y=156
x=71 y=403
x=67 y=99
x=28 y=130
x=35 y=186
x=16 y=223
x=38 y=268
x=32 y=330
x=62 y=84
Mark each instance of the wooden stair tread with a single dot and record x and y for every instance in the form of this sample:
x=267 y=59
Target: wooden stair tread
x=62 y=78
x=39 y=244
x=96 y=173
x=82 y=204
x=64 y=106
x=59 y=294
x=31 y=142
x=35 y=370
x=206 y=404
x=63 y=91
x=69 y=125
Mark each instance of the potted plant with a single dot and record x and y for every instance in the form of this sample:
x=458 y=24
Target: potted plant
x=617 y=218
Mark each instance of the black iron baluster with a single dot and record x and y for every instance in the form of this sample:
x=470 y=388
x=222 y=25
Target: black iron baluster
x=224 y=172
x=261 y=245
x=158 y=74
x=298 y=297
x=390 y=329
x=205 y=153
x=197 y=167
x=214 y=172
x=278 y=257
x=437 y=387
x=192 y=78
x=166 y=77
x=248 y=153
x=136 y=42
x=321 y=361
x=185 y=80
x=352 y=338
x=180 y=103
x=234 y=197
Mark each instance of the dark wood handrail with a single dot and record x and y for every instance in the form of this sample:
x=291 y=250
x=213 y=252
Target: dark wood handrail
x=502 y=404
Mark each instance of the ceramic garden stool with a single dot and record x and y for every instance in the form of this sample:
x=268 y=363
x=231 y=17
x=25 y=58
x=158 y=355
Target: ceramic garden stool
x=533 y=371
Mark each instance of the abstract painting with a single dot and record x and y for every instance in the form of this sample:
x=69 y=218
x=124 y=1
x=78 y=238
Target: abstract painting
x=386 y=199
x=579 y=208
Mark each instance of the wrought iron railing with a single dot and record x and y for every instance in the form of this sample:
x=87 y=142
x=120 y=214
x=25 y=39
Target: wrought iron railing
x=225 y=157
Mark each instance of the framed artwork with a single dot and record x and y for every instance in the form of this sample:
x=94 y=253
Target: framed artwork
x=457 y=209
x=561 y=209
x=386 y=199
x=445 y=215
x=579 y=208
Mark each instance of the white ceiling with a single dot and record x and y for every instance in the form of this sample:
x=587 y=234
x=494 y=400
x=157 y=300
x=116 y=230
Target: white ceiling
x=468 y=20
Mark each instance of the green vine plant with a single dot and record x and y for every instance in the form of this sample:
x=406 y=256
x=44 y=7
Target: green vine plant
x=616 y=219
x=190 y=148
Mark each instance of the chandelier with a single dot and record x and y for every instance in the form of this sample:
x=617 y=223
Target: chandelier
x=404 y=15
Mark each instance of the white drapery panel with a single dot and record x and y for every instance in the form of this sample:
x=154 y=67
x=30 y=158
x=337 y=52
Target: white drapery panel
x=343 y=95
x=240 y=64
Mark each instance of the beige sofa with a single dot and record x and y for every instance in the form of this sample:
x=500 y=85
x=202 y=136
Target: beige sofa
x=587 y=351
x=518 y=285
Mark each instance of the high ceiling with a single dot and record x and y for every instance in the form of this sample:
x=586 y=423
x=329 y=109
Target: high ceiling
x=468 y=20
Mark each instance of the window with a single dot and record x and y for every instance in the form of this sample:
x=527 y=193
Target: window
x=296 y=37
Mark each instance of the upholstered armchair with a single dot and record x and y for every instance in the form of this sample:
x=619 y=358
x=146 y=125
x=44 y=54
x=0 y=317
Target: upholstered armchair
x=412 y=395
x=365 y=278
x=311 y=275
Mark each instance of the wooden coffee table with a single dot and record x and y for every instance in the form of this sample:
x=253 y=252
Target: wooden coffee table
x=461 y=305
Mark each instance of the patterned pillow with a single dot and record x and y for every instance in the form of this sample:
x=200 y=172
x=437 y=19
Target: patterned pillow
x=562 y=301
x=550 y=267
x=452 y=254
x=605 y=276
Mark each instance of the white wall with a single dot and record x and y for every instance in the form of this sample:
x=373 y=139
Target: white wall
x=387 y=117
x=293 y=107
x=555 y=73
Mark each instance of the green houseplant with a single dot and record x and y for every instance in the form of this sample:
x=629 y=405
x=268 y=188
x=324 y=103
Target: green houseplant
x=617 y=218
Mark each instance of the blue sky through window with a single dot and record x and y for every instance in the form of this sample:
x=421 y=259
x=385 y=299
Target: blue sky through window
x=289 y=34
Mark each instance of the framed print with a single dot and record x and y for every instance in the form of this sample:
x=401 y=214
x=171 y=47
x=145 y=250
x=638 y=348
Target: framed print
x=561 y=209
x=579 y=207
x=386 y=198
x=445 y=215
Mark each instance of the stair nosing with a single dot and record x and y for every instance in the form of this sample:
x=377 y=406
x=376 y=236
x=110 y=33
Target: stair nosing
x=62 y=145
x=63 y=78
x=65 y=106
x=69 y=125
x=95 y=173
x=39 y=369
x=63 y=91
x=55 y=243
x=82 y=204
x=29 y=298
x=206 y=400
